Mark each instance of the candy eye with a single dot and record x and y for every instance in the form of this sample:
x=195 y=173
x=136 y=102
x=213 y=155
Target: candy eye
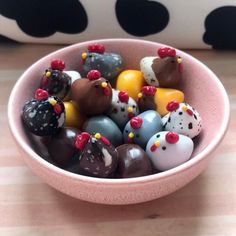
x=96 y=86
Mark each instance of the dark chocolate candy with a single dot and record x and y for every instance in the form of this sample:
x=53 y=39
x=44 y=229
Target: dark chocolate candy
x=56 y=82
x=132 y=161
x=98 y=157
x=44 y=117
x=62 y=148
x=93 y=97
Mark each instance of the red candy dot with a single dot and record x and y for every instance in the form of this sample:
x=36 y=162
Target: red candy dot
x=94 y=74
x=172 y=137
x=105 y=140
x=136 y=122
x=190 y=112
x=149 y=90
x=172 y=106
x=153 y=148
x=57 y=64
x=97 y=48
x=123 y=96
x=81 y=140
x=41 y=94
x=57 y=108
x=166 y=52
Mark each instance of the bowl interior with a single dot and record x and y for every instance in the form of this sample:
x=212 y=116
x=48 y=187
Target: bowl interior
x=200 y=86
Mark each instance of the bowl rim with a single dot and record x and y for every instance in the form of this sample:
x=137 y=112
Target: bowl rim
x=126 y=181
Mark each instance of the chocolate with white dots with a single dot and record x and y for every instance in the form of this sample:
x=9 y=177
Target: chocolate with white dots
x=183 y=119
x=98 y=158
x=167 y=150
x=40 y=117
x=122 y=108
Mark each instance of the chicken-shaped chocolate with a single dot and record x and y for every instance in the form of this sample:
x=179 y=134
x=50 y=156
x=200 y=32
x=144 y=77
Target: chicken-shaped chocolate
x=167 y=150
x=92 y=94
x=109 y=64
x=164 y=70
x=141 y=128
x=152 y=98
x=44 y=115
x=55 y=80
x=97 y=157
x=183 y=119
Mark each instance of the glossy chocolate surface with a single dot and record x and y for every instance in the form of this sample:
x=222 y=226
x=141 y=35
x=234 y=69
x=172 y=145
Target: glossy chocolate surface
x=132 y=161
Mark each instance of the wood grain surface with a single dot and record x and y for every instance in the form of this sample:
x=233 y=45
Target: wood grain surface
x=206 y=206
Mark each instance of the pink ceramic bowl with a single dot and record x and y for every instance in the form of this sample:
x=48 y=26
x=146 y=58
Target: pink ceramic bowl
x=202 y=89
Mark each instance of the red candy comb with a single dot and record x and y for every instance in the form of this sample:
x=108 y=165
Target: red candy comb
x=123 y=96
x=96 y=47
x=94 y=74
x=41 y=94
x=81 y=140
x=136 y=122
x=149 y=90
x=57 y=64
x=166 y=52
x=172 y=106
x=172 y=137
x=57 y=108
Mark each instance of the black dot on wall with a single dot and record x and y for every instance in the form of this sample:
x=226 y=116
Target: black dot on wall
x=220 y=25
x=141 y=17
x=41 y=18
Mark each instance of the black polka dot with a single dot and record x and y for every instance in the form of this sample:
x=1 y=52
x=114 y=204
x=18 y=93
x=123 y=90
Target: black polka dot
x=43 y=18
x=163 y=148
x=190 y=125
x=141 y=17
x=122 y=109
x=195 y=117
x=169 y=119
x=180 y=113
x=220 y=27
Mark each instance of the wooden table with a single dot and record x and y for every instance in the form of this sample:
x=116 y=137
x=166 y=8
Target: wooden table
x=207 y=206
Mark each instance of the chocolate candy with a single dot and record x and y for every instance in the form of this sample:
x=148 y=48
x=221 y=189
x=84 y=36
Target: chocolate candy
x=162 y=71
x=55 y=81
x=151 y=98
x=109 y=64
x=130 y=81
x=132 y=161
x=92 y=96
x=43 y=115
x=183 y=119
x=167 y=150
x=106 y=127
x=140 y=128
x=122 y=108
x=98 y=157
x=62 y=148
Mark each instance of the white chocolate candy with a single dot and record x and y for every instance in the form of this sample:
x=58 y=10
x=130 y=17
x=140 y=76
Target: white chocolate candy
x=73 y=74
x=167 y=150
x=122 y=108
x=183 y=119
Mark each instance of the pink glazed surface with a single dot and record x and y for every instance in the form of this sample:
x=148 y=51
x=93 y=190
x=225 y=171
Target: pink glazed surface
x=202 y=89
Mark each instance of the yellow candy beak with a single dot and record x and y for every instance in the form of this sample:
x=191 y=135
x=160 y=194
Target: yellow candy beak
x=140 y=95
x=53 y=102
x=157 y=143
x=104 y=84
x=84 y=55
x=179 y=60
x=48 y=74
x=131 y=135
x=97 y=135
x=184 y=108
x=130 y=109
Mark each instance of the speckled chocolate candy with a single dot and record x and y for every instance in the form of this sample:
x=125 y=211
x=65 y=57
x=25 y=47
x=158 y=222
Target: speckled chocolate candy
x=97 y=157
x=109 y=64
x=43 y=115
x=62 y=148
x=122 y=108
x=55 y=81
x=140 y=128
x=132 y=161
x=167 y=150
x=183 y=119
x=105 y=126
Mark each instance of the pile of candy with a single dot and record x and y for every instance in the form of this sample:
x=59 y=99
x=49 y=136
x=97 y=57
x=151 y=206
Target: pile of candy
x=114 y=123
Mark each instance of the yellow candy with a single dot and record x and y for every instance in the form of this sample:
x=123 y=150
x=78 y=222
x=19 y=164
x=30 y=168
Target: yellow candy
x=130 y=81
x=73 y=117
x=165 y=95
